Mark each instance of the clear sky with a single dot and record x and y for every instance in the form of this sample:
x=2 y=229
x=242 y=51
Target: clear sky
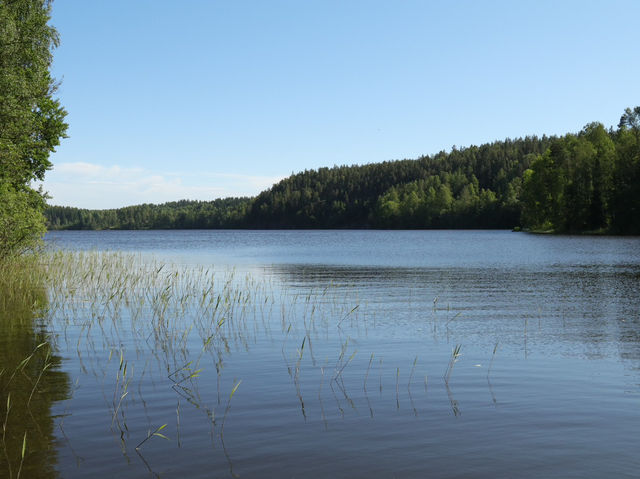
x=200 y=99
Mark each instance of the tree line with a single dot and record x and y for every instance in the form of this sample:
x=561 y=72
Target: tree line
x=585 y=182
x=475 y=187
x=467 y=187
x=184 y=214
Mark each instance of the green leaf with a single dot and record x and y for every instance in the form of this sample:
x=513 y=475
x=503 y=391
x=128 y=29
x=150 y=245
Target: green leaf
x=235 y=388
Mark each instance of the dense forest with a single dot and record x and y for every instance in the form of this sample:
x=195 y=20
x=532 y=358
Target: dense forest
x=221 y=213
x=470 y=187
x=585 y=182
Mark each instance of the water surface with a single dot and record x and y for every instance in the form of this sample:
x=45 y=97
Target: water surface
x=341 y=356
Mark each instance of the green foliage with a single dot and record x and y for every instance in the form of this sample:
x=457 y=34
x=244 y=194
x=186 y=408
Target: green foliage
x=542 y=189
x=466 y=188
x=222 y=213
x=21 y=220
x=587 y=182
x=475 y=187
x=625 y=207
x=31 y=120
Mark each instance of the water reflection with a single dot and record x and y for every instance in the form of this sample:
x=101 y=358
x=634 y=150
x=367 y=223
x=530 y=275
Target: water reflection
x=30 y=381
x=588 y=311
x=333 y=359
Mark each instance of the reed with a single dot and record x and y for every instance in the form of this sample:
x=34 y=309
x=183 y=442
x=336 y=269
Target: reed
x=155 y=433
x=455 y=356
x=366 y=376
x=493 y=355
x=226 y=410
x=181 y=326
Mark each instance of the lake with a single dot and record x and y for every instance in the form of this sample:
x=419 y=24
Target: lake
x=341 y=354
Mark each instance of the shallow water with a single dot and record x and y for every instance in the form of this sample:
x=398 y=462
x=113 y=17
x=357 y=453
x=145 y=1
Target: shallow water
x=340 y=354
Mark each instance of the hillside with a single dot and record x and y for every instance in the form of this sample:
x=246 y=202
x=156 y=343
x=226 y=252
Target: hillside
x=469 y=187
x=588 y=181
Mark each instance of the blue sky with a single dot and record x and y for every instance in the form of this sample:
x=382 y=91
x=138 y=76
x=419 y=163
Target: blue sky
x=202 y=99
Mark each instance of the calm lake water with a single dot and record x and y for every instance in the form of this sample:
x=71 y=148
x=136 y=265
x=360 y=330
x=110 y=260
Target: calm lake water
x=333 y=357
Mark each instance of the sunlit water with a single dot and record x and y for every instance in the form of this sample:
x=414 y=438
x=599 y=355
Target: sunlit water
x=342 y=366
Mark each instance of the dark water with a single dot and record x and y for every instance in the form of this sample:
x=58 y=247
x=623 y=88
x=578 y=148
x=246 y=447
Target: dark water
x=25 y=413
x=341 y=358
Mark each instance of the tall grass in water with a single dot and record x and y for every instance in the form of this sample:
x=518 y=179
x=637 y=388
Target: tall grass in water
x=29 y=380
x=138 y=325
x=455 y=356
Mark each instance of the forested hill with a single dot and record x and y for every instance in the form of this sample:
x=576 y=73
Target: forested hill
x=475 y=187
x=588 y=181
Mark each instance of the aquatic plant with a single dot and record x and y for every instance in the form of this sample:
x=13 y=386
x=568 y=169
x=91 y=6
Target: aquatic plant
x=455 y=355
x=135 y=325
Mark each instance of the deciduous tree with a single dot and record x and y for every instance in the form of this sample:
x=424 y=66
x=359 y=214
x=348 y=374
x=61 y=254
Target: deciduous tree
x=31 y=118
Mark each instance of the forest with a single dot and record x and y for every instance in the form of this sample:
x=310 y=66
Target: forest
x=184 y=214
x=584 y=182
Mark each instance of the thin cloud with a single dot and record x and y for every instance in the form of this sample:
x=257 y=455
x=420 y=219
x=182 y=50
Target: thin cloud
x=88 y=185
x=90 y=170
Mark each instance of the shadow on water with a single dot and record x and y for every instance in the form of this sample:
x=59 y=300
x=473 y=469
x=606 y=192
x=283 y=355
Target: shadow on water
x=30 y=379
